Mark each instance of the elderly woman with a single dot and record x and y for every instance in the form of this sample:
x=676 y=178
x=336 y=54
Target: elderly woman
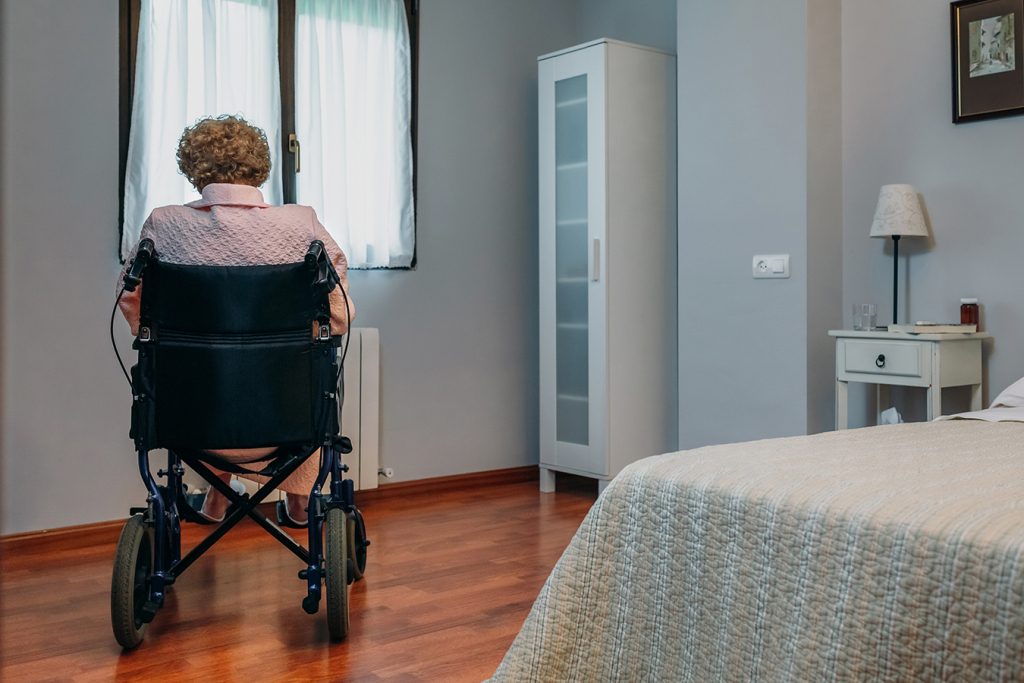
x=227 y=159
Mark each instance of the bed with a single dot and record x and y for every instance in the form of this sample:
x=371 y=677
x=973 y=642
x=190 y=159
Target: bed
x=890 y=553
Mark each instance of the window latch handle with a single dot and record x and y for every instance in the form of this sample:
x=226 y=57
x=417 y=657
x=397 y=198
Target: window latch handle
x=293 y=147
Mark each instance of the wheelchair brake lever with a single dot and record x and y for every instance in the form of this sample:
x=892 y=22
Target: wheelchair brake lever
x=332 y=277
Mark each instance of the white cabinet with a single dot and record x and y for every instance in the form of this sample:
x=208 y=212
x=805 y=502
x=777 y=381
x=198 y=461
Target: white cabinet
x=607 y=258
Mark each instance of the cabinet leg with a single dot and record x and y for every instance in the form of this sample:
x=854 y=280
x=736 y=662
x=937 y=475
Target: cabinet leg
x=841 y=407
x=602 y=484
x=547 y=480
x=934 y=402
x=976 y=396
x=881 y=401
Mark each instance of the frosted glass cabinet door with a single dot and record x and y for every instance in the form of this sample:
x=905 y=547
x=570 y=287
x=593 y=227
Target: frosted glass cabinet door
x=572 y=225
x=572 y=422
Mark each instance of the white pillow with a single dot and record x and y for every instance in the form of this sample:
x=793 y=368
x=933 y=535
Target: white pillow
x=1012 y=396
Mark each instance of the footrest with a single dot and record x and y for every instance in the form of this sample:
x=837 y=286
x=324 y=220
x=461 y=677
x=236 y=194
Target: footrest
x=148 y=611
x=189 y=513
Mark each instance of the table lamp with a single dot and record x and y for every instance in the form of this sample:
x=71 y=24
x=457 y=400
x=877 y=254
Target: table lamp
x=898 y=214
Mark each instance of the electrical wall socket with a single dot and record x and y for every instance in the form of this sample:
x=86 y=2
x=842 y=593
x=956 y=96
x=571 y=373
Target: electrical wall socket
x=771 y=266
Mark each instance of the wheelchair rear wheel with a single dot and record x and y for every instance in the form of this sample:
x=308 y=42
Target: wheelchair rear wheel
x=129 y=587
x=355 y=536
x=336 y=564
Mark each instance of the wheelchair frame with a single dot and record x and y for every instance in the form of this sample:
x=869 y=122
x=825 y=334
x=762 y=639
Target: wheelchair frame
x=132 y=608
x=162 y=514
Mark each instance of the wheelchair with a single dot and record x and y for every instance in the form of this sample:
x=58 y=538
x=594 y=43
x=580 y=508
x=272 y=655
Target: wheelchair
x=233 y=357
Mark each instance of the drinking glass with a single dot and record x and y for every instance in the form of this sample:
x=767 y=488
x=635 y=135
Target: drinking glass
x=864 y=316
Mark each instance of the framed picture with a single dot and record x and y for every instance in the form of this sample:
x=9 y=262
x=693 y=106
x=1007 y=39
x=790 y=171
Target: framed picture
x=988 y=63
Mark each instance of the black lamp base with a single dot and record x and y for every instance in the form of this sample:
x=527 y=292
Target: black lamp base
x=895 y=276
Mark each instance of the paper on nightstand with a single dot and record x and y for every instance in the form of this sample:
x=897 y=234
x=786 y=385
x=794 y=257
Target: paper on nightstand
x=890 y=417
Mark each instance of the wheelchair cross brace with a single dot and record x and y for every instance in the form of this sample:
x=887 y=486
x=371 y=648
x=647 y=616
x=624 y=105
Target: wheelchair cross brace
x=168 y=563
x=243 y=505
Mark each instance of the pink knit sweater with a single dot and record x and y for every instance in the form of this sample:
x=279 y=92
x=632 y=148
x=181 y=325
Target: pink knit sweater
x=232 y=226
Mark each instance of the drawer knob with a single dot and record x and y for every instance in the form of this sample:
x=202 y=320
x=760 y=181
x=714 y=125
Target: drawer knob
x=880 y=361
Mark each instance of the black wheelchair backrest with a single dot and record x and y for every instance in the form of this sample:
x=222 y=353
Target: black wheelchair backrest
x=229 y=358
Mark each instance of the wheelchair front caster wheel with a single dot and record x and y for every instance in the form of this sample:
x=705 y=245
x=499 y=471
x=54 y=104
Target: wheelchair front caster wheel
x=336 y=564
x=310 y=604
x=129 y=587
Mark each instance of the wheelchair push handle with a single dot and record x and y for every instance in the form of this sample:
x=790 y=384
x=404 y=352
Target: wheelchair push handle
x=133 y=277
x=315 y=253
x=318 y=260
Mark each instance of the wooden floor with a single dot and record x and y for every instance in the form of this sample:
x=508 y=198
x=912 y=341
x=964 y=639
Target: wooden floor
x=450 y=578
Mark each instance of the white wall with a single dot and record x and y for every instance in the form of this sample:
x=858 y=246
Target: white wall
x=897 y=129
x=458 y=334
x=746 y=144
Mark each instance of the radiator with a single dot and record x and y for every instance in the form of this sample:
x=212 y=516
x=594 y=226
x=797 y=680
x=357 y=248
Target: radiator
x=360 y=414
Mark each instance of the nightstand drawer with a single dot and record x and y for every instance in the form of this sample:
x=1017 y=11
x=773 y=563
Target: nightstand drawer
x=883 y=358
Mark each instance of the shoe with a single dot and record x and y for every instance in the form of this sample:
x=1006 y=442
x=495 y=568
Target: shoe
x=195 y=510
x=196 y=501
x=284 y=519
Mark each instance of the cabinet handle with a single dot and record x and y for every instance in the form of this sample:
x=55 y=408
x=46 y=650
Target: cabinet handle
x=596 y=272
x=880 y=361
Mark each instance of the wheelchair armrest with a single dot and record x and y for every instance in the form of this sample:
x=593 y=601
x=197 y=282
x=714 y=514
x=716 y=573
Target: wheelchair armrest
x=342 y=444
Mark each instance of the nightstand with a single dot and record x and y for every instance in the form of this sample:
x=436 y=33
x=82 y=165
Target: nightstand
x=931 y=361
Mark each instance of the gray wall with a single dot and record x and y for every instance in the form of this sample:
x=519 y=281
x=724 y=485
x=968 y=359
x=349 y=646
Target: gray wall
x=824 y=207
x=897 y=129
x=3 y=78
x=68 y=458
x=744 y=160
x=645 y=22
x=458 y=334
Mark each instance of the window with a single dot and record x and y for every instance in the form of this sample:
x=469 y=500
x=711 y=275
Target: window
x=337 y=74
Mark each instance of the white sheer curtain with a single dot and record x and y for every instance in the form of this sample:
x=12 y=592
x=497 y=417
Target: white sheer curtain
x=353 y=107
x=197 y=58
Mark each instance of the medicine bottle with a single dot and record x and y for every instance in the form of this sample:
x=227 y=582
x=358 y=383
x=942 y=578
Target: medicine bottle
x=969 y=311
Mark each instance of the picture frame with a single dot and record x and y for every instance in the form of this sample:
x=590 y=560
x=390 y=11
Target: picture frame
x=988 y=59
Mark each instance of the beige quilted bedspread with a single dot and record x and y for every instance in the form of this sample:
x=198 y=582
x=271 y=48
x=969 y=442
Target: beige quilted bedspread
x=882 y=554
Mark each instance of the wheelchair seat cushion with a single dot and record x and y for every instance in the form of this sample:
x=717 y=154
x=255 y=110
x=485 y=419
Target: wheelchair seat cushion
x=260 y=471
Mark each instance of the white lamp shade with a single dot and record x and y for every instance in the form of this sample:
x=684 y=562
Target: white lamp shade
x=898 y=213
